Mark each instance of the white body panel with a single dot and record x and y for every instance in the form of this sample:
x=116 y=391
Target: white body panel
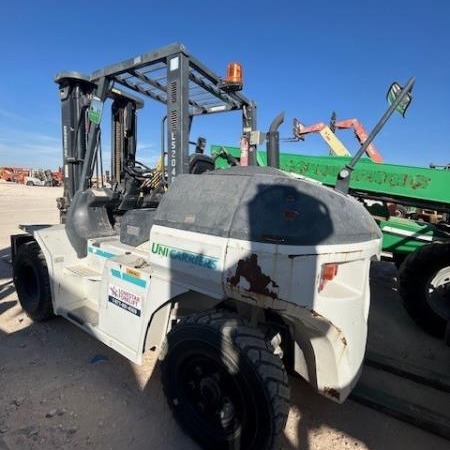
x=334 y=321
x=115 y=291
x=187 y=258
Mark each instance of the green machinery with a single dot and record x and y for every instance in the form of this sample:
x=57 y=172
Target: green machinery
x=415 y=186
x=420 y=249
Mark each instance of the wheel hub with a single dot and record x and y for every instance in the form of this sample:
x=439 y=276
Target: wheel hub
x=211 y=391
x=227 y=413
x=438 y=293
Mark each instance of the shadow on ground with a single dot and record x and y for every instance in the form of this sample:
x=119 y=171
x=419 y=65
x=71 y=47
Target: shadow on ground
x=60 y=388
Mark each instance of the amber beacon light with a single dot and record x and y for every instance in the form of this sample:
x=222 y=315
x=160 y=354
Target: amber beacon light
x=234 y=79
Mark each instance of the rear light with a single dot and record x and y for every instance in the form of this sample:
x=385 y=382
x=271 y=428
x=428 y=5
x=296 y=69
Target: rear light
x=329 y=271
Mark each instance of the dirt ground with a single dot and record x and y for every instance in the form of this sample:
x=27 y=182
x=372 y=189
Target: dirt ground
x=61 y=389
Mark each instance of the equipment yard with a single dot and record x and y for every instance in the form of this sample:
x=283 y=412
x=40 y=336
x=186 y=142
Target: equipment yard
x=62 y=389
x=182 y=266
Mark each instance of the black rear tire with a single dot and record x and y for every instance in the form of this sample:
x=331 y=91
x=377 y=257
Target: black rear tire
x=416 y=275
x=398 y=259
x=32 y=282
x=225 y=386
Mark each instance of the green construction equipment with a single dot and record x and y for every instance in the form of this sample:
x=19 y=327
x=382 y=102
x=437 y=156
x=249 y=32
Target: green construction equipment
x=421 y=250
x=415 y=186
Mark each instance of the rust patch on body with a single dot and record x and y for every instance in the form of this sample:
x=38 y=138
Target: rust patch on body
x=331 y=392
x=315 y=314
x=250 y=270
x=302 y=255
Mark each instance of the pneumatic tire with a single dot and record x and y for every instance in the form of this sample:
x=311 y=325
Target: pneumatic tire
x=225 y=386
x=398 y=259
x=30 y=274
x=400 y=211
x=424 y=285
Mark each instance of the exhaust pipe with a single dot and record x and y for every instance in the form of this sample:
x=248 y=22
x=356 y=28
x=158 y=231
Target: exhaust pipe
x=273 y=142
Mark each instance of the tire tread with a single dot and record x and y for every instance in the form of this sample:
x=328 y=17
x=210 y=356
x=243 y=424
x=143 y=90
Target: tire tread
x=413 y=277
x=32 y=251
x=253 y=346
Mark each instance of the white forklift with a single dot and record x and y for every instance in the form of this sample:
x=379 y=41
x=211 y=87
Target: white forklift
x=236 y=276
x=39 y=178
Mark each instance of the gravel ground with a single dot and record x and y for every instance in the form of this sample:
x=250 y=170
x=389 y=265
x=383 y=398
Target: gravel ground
x=61 y=389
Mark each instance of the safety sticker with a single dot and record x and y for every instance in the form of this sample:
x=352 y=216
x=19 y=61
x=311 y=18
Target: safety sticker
x=126 y=300
x=129 y=277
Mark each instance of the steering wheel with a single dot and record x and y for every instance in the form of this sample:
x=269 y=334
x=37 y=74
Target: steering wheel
x=140 y=173
x=142 y=165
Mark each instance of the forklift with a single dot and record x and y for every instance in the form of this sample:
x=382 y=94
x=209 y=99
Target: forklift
x=237 y=277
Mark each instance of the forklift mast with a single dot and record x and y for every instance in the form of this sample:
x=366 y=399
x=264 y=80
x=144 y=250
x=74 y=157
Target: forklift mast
x=170 y=76
x=123 y=132
x=75 y=91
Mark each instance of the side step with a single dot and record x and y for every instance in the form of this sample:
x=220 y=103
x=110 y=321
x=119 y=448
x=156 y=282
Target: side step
x=83 y=315
x=83 y=272
x=83 y=285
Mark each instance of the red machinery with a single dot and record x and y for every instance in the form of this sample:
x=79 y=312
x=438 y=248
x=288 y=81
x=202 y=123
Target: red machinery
x=328 y=134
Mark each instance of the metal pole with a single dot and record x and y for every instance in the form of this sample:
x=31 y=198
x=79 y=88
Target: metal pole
x=273 y=142
x=177 y=115
x=249 y=125
x=163 y=144
x=86 y=173
x=343 y=180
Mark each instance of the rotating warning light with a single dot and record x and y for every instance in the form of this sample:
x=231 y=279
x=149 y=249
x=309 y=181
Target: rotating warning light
x=234 y=80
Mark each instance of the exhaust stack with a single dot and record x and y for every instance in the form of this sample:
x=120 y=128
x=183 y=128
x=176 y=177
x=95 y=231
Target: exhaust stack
x=273 y=142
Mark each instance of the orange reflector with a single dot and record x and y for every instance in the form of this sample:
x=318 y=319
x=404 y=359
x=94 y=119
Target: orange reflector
x=234 y=73
x=329 y=271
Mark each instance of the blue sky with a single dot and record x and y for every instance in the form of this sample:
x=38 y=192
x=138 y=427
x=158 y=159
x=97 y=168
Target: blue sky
x=306 y=58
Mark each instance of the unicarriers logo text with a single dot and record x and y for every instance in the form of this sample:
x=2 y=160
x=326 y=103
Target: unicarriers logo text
x=184 y=256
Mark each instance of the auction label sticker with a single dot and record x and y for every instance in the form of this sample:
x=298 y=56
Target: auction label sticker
x=126 y=300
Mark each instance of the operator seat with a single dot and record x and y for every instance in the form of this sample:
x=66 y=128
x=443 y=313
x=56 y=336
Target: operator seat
x=199 y=163
x=130 y=194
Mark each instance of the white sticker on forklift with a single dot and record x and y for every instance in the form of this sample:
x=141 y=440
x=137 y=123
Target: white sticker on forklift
x=126 y=300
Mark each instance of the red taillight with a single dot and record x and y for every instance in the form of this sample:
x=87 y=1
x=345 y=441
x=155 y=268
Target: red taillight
x=329 y=271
